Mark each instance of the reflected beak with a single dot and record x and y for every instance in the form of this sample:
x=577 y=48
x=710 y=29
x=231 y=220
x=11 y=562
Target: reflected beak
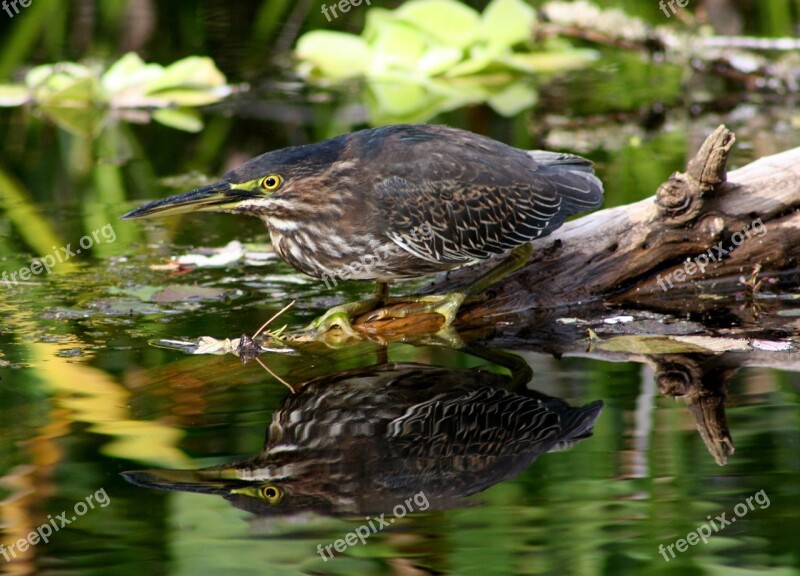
x=221 y=481
x=216 y=197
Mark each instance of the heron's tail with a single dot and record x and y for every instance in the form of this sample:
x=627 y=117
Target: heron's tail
x=573 y=177
x=578 y=424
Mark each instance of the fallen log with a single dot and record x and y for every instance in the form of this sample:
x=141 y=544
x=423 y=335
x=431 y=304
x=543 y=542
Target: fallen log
x=701 y=227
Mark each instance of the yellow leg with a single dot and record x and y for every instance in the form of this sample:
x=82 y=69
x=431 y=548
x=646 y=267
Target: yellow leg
x=339 y=316
x=445 y=304
x=448 y=304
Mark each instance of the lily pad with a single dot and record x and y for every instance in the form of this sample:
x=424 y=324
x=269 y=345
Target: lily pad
x=176 y=293
x=123 y=307
x=182 y=293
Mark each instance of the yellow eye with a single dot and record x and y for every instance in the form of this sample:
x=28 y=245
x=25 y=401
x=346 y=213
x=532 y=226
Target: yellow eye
x=271 y=494
x=271 y=182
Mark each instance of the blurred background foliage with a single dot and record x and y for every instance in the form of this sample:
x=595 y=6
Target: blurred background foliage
x=246 y=37
x=84 y=387
x=252 y=43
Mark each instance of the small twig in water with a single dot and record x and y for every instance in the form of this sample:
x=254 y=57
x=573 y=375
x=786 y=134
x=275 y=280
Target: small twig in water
x=249 y=350
x=277 y=314
x=278 y=378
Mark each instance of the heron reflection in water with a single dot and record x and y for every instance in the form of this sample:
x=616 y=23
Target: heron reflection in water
x=362 y=441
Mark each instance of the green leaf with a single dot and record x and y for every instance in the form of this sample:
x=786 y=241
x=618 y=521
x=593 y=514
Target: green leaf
x=478 y=60
x=546 y=62
x=14 y=95
x=506 y=23
x=514 y=99
x=197 y=72
x=74 y=91
x=65 y=84
x=448 y=22
x=374 y=22
x=397 y=46
x=179 y=118
x=333 y=55
x=128 y=72
x=186 y=97
x=400 y=99
x=55 y=75
x=438 y=60
x=81 y=120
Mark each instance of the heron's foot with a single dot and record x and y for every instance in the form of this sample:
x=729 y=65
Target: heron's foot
x=335 y=326
x=339 y=317
x=447 y=305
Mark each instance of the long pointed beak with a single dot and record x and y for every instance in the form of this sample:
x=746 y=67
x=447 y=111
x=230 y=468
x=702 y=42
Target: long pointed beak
x=216 y=197
x=221 y=481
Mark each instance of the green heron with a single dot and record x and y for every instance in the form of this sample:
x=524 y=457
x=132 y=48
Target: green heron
x=399 y=202
x=364 y=440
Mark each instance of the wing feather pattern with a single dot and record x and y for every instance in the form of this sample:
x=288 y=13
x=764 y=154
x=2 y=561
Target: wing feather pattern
x=475 y=196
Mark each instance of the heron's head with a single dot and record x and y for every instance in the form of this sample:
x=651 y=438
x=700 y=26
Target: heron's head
x=252 y=485
x=265 y=185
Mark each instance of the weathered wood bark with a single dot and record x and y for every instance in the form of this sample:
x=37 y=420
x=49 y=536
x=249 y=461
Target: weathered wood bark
x=702 y=381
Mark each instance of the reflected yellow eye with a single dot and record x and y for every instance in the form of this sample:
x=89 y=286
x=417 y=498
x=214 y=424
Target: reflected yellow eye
x=271 y=182
x=271 y=494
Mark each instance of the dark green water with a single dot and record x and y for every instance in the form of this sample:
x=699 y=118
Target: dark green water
x=85 y=394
